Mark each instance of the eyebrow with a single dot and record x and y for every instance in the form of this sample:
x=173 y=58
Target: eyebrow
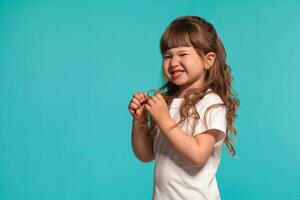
x=180 y=51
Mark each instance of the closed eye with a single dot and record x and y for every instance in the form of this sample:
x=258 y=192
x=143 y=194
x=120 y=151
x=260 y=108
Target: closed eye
x=179 y=55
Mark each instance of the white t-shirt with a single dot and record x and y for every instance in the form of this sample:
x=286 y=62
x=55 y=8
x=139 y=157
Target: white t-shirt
x=175 y=179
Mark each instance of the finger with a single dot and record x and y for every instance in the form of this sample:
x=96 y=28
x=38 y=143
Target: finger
x=133 y=106
x=150 y=99
x=147 y=107
x=136 y=101
x=136 y=95
x=131 y=111
x=158 y=95
x=145 y=96
x=154 y=98
x=139 y=96
x=138 y=112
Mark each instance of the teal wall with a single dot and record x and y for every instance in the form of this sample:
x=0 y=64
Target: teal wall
x=67 y=73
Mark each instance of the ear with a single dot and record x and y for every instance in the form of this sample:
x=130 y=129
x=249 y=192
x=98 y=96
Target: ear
x=209 y=60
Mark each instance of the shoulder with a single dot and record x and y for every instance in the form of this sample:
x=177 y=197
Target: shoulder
x=209 y=99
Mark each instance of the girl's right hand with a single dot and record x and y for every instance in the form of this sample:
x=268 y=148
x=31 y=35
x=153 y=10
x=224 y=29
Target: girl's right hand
x=137 y=106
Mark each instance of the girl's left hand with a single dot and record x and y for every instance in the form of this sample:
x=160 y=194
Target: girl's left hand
x=158 y=108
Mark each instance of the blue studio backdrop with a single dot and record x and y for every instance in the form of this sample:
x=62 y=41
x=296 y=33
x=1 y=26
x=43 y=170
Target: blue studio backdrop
x=68 y=70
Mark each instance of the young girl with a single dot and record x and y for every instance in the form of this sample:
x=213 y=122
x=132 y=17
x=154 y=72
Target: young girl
x=190 y=116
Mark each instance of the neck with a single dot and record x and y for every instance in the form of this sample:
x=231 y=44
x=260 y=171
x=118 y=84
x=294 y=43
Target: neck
x=183 y=89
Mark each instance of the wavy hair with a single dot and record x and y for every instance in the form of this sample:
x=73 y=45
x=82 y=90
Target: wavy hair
x=196 y=32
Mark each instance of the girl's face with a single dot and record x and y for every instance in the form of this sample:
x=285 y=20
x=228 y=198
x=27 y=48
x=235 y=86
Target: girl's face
x=184 y=67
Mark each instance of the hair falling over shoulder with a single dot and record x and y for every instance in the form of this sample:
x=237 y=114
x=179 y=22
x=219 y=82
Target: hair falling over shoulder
x=196 y=32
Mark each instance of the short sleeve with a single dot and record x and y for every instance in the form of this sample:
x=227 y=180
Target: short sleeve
x=215 y=117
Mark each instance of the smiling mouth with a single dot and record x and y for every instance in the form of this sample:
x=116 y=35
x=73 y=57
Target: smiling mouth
x=176 y=74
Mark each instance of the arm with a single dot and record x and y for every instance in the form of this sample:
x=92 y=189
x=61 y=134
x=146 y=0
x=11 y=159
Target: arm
x=200 y=146
x=142 y=143
x=194 y=150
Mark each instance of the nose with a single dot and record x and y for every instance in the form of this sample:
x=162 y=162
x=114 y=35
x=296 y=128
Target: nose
x=174 y=62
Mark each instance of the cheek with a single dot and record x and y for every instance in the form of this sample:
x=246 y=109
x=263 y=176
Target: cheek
x=166 y=73
x=189 y=62
x=165 y=68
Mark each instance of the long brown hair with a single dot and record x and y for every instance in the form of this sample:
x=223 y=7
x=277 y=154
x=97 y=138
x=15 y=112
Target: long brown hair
x=196 y=32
